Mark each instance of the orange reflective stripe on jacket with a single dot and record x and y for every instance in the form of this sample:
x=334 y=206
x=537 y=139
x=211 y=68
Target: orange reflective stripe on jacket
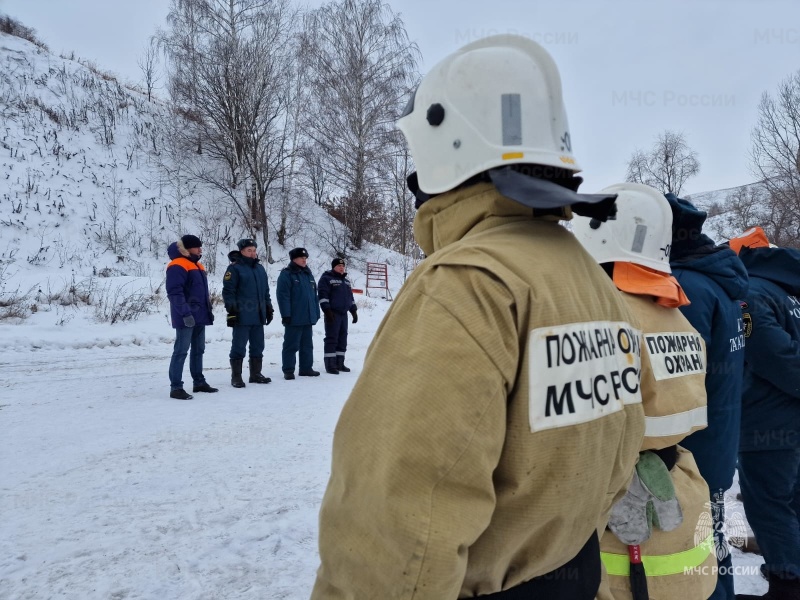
x=186 y=264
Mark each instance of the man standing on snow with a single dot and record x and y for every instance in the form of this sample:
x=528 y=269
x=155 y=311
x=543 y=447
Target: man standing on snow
x=769 y=448
x=245 y=291
x=715 y=281
x=190 y=308
x=473 y=457
x=335 y=300
x=296 y=291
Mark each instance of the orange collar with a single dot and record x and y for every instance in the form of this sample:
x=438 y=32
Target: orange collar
x=636 y=279
x=752 y=238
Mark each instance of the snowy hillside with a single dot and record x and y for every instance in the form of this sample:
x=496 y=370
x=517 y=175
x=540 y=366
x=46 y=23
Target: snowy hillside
x=89 y=202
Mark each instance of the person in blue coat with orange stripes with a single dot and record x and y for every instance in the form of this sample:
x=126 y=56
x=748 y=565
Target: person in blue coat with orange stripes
x=190 y=308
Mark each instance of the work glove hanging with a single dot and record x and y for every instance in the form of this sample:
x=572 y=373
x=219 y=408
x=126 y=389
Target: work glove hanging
x=329 y=316
x=354 y=312
x=232 y=320
x=649 y=502
x=188 y=321
x=270 y=314
x=286 y=321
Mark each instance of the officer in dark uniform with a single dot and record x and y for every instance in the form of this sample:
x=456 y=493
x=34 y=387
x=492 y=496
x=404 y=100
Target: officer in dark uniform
x=245 y=291
x=336 y=299
x=299 y=305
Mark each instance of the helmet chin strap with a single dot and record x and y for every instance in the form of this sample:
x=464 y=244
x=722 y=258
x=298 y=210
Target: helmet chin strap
x=534 y=192
x=413 y=185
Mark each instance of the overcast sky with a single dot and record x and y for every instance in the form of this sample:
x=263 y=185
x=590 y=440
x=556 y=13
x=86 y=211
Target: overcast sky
x=630 y=69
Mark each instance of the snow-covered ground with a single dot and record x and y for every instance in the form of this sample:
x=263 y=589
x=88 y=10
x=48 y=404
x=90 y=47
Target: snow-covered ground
x=111 y=490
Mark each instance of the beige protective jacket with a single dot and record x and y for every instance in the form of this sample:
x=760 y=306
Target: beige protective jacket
x=497 y=417
x=680 y=563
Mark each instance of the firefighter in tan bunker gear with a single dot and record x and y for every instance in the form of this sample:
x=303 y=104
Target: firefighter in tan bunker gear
x=677 y=546
x=498 y=415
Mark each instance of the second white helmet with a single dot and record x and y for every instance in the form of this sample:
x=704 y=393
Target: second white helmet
x=494 y=102
x=640 y=233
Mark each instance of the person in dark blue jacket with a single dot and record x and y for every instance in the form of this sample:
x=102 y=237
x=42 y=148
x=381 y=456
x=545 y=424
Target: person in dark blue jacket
x=296 y=291
x=245 y=291
x=336 y=299
x=715 y=282
x=190 y=308
x=769 y=448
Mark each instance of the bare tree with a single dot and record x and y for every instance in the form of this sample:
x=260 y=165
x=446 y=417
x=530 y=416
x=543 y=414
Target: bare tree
x=298 y=102
x=401 y=223
x=361 y=67
x=775 y=155
x=175 y=165
x=666 y=166
x=313 y=179
x=148 y=63
x=231 y=68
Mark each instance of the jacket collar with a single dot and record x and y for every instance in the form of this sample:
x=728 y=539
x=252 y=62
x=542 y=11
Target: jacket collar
x=250 y=262
x=449 y=217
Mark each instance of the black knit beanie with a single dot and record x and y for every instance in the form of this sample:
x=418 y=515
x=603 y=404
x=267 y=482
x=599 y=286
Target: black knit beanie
x=191 y=241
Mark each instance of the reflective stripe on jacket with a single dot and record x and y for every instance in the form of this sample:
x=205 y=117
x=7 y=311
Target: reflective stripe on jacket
x=674 y=400
x=187 y=288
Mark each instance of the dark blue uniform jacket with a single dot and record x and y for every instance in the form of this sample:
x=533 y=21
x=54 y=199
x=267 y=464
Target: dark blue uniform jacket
x=771 y=396
x=245 y=291
x=715 y=282
x=296 y=291
x=336 y=292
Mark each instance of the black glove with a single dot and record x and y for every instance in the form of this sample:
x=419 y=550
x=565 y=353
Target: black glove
x=270 y=313
x=354 y=312
x=188 y=320
x=232 y=320
x=286 y=321
x=329 y=316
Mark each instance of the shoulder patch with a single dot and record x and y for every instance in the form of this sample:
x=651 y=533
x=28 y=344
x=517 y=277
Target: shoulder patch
x=581 y=372
x=748 y=324
x=227 y=276
x=675 y=353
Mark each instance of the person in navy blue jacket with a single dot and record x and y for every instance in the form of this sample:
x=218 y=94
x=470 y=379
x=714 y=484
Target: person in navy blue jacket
x=715 y=282
x=296 y=291
x=336 y=299
x=769 y=450
x=190 y=308
x=245 y=291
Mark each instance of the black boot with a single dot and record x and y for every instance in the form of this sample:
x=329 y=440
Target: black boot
x=236 y=372
x=180 y=394
x=255 y=371
x=204 y=387
x=308 y=373
x=288 y=375
x=340 y=364
x=330 y=365
x=779 y=589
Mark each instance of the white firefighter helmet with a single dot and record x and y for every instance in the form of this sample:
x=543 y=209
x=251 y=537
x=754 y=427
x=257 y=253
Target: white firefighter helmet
x=494 y=102
x=640 y=233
